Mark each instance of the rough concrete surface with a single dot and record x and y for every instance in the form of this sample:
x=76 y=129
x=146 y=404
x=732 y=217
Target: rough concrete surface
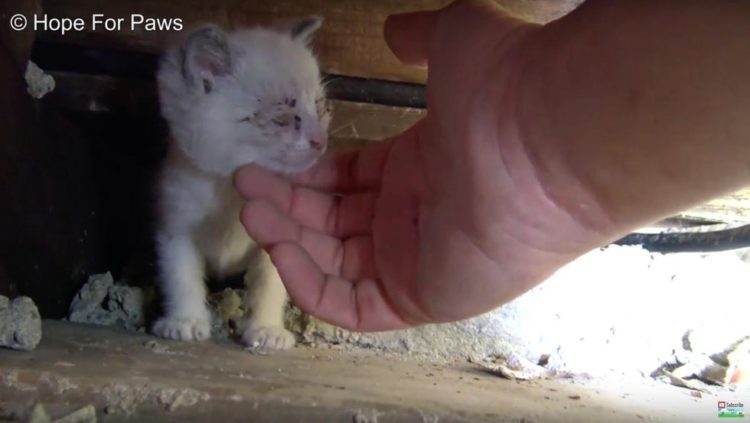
x=128 y=376
x=20 y=324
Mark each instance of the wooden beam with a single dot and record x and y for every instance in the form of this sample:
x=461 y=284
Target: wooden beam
x=732 y=208
x=349 y=43
x=353 y=125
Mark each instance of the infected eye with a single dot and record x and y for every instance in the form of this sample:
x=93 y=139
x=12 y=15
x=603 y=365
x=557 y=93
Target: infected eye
x=249 y=118
x=280 y=122
x=297 y=122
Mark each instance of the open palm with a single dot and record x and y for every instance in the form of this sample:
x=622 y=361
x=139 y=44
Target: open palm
x=443 y=222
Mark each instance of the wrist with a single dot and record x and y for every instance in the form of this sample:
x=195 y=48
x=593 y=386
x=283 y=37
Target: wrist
x=579 y=220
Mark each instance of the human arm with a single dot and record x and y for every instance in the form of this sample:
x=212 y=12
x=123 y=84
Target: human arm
x=538 y=146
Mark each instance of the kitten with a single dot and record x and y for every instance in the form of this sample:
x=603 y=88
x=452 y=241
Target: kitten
x=250 y=96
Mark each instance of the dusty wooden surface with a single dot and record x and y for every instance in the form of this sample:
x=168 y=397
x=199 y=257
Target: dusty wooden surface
x=349 y=43
x=139 y=378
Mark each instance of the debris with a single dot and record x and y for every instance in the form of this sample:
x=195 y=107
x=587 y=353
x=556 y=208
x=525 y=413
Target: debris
x=9 y=379
x=38 y=83
x=20 y=324
x=694 y=365
x=227 y=311
x=574 y=397
x=106 y=302
x=85 y=414
x=173 y=399
x=125 y=399
x=39 y=414
x=58 y=384
x=685 y=383
x=365 y=416
x=514 y=367
x=156 y=347
x=724 y=368
x=102 y=302
x=738 y=359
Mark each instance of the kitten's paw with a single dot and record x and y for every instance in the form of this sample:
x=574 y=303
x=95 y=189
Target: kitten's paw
x=267 y=338
x=186 y=329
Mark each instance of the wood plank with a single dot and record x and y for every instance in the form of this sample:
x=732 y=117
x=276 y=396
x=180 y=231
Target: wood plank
x=369 y=122
x=732 y=208
x=349 y=43
x=353 y=125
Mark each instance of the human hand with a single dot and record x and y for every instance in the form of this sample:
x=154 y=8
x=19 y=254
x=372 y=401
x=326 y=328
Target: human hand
x=441 y=223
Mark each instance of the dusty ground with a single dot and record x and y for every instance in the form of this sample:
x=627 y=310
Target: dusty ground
x=134 y=377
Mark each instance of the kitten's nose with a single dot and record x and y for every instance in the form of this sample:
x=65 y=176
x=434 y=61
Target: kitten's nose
x=316 y=145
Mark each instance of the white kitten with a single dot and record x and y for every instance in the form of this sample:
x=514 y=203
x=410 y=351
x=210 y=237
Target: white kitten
x=251 y=96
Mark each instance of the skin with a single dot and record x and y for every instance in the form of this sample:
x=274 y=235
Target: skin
x=540 y=143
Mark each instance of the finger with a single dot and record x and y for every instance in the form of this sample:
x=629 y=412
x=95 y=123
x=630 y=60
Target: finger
x=348 y=171
x=408 y=36
x=340 y=216
x=252 y=181
x=357 y=306
x=351 y=257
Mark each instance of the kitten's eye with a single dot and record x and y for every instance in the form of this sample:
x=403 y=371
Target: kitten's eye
x=280 y=122
x=245 y=119
x=297 y=122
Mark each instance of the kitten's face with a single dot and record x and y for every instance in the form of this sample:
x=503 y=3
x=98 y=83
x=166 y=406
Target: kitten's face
x=252 y=96
x=288 y=131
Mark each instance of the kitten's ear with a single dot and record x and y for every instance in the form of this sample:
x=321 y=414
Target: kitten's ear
x=205 y=56
x=304 y=29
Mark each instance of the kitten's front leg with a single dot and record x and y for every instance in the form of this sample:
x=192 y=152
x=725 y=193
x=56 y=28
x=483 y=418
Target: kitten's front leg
x=181 y=270
x=265 y=302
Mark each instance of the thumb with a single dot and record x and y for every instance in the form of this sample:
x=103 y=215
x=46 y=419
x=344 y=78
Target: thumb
x=408 y=36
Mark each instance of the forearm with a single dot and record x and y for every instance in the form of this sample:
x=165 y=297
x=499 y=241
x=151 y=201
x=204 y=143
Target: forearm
x=633 y=110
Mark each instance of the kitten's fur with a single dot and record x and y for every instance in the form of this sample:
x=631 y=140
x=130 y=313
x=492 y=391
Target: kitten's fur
x=251 y=96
